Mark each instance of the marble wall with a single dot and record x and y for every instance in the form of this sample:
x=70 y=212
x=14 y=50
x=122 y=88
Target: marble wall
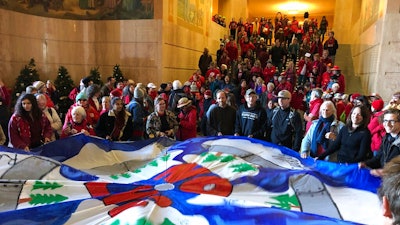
x=163 y=49
x=79 y=46
x=376 y=49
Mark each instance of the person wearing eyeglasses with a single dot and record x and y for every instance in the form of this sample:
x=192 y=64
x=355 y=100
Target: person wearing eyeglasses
x=390 y=147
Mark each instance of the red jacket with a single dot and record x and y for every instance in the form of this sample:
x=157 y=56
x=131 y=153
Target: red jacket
x=314 y=110
x=92 y=116
x=301 y=65
x=78 y=127
x=19 y=131
x=187 y=124
x=377 y=131
x=232 y=49
x=297 y=101
x=269 y=73
x=212 y=72
x=326 y=77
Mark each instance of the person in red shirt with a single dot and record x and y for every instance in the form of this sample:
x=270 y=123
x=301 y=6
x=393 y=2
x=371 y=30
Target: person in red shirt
x=269 y=71
x=314 y=105
x=28 y=127
x=326 y=77
x=283 y=84
x=187 y=120
x=78 y=123
x=233 y=27
x=232 y=49
x=338 y=77
x=212 y=71
x=245 y=45
x=304 y=68
x=92 y=116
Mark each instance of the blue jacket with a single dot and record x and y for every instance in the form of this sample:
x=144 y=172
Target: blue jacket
x=308 y=138
x=251 y=121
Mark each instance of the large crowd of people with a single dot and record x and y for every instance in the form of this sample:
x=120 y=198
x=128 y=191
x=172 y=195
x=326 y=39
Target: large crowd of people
x=287 y=91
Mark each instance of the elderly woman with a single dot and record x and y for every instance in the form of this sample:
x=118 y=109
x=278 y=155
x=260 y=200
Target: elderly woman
x=162 y=122
x=51 y=114
x=78 y=124
x=116 y=124
x=28 y=127
x=353 y=143
x=322 y=132
x=105 y=104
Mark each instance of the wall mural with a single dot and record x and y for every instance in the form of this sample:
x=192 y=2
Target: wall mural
x=191 y=14
x=84 y=9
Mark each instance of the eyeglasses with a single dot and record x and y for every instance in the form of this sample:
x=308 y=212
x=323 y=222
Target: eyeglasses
x=391 y=122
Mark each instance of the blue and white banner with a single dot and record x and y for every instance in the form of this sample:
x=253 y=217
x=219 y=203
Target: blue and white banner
x=210 y=180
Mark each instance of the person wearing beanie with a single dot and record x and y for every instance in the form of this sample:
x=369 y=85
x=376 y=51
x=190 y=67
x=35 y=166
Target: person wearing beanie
x=116 y=93
x=151 y=90
x=176 y=94
x=86 y=82
x=375 y=127
x=42 y=89
x=251 y=118
x=93 y=96
x=39 y=85
x=139 y=115
x=92 y=115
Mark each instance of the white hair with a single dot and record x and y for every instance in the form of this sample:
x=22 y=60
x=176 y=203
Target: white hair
x=79 y=110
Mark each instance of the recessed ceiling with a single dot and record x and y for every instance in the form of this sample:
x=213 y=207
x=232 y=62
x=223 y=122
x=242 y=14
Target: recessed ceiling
x=268 y=8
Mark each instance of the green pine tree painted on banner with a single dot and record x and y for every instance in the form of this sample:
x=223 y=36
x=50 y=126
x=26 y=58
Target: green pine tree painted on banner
x=64 y=85
x=27 y=76
x=95 y=76
x=37 y=199
x=117 y=74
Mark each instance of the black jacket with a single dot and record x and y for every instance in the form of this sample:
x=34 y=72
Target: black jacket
x=287 y=128
x=352 y=147
x=105 y=126
x=387 y=152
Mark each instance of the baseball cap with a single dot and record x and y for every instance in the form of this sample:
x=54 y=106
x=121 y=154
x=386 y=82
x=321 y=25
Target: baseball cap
x=250 y=91
x=284 y=94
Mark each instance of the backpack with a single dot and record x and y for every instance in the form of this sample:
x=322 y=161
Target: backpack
x=291 y=116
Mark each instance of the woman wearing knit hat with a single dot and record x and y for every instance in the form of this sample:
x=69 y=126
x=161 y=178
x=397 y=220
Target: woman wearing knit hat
x=139 y=114
x=92 y=115
x=42 y=89
x=375 y=127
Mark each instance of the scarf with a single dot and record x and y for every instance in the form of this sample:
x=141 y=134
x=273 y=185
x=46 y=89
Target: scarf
x=323 y=126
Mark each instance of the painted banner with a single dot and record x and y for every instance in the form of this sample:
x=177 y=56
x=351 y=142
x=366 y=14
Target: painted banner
x=209 y=180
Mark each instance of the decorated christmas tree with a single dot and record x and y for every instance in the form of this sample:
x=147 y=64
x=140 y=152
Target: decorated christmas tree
x=117 y=73
x=64 y=85
x=95 y=76
x=26 y=77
